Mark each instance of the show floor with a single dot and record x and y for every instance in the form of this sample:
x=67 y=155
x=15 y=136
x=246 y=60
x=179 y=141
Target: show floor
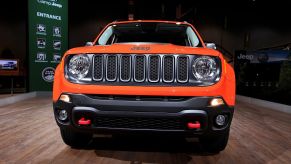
x=29 y=134
x=7 y=95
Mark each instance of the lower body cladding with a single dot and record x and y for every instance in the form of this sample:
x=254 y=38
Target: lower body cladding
x=80 y=115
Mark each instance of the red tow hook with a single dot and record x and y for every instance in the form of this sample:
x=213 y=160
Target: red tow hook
x=195 y=125
x=82 y=121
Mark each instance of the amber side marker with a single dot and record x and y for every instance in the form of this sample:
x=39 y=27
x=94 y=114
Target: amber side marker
x=65 y=98
x=216 y=102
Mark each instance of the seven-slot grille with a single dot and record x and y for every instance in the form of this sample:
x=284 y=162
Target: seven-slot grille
x=141 y=68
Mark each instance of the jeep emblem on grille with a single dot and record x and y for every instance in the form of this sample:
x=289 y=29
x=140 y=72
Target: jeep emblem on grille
x=140 y=48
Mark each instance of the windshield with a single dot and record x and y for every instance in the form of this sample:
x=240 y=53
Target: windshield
x=150 y=32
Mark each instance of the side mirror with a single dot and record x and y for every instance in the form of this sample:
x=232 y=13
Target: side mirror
x=210 y=45
x=89 y=43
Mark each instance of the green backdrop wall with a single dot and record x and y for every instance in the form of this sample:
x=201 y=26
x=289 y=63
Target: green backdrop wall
x=48 y=40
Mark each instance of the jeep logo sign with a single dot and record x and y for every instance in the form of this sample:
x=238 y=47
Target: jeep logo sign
x=243 y=56
x=140 y=48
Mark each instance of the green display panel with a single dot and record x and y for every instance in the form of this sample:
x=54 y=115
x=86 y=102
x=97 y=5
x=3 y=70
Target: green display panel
x=48 y=40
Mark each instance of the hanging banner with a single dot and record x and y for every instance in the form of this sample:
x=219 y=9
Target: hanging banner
x=48 y=40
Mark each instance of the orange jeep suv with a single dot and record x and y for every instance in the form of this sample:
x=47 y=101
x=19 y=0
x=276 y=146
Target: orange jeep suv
x=147 y=77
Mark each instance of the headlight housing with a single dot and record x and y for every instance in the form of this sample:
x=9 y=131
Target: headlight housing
x=206 y=69
x=78 y=66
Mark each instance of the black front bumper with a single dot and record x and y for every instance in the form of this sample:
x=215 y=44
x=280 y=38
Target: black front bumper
x=147 y=115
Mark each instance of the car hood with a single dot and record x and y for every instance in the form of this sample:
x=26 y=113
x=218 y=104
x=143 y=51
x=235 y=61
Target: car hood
x=144 y=48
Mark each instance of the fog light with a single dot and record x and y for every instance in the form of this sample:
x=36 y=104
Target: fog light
x=220 y=120
x=63 y=115
x=65 y=98
x=216 y=102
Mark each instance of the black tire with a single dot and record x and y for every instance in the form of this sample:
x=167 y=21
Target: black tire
x=75 y=139
x=214 y=144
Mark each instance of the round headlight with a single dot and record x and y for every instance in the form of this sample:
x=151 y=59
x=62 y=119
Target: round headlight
x=205 y=68
x=79 y=66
